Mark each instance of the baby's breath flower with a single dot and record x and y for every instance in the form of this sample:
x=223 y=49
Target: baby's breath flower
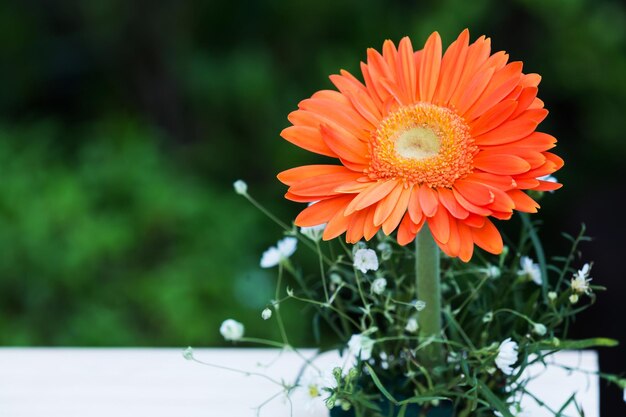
x=313 y=232
x=573 y=298
x=335 y=279
x=365 y=260
x=552 y=295
x=240 y=187
x=411 y=325
x=487 y=318
x=231 y=330
x=539 y=329
x=580 y=281
x=360 y=346
x=282 y=251
x=530 y=269
x=266 y=314
x=507 y=356
x=379 y=285
x=419 y=305
x=492 y=271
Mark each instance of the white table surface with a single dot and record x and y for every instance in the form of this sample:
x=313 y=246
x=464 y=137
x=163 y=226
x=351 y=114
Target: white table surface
x=60 y=382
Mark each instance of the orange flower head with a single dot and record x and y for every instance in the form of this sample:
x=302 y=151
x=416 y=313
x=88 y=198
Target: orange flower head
x=444 y=139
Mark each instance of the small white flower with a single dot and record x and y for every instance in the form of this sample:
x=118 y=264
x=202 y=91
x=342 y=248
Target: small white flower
x=313 y=232
x=240 y=187
x=492 y=271
x=573 y=298
x=276 y=254
x=360 y=346
x=365 y=260
x=311 y=389
x=507 y=356
x=231 y=330
x=580 y=281
x=539 y=329
x=530 y=269
x=552 y=295
x=379 y=285
x=411 y=325
x=549 y=178
x=419 y=305
x=266 y=314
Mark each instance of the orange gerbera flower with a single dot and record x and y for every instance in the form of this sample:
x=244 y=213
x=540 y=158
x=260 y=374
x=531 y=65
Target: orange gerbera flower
x=447 y=141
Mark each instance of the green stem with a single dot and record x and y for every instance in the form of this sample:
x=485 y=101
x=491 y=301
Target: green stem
x=427 y=283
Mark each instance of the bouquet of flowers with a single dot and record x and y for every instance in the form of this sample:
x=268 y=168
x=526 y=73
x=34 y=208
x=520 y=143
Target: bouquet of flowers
x=431 y=147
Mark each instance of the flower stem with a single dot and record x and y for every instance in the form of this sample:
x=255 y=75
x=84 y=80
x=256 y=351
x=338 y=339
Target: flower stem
x=428 y=290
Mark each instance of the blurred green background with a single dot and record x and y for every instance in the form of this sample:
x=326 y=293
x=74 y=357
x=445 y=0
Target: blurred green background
x=124 y=124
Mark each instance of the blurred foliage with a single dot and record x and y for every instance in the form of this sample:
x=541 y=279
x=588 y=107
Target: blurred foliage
x=124 y=125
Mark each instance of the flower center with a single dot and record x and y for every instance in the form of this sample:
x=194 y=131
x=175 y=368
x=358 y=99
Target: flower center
x=422 y=144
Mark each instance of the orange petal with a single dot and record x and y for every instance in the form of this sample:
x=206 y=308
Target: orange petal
x=493 y=118
x=502 y=182
x=373 y=194
x=454 y=241
x=405 y=234
x=439 y=225
x=547 y=186
x=474 y=89
x=446 y=197
x=524 y=100
x=321 y=212
x=293 y=175
x=336 y=115
x=430 y=66
x=477 y=54
x=474 y=220
x=346 y=146
x=472 y=208
x=390 y=224
x=488 y=238
x=428 y=200
x=451 y=68
x=308 y=138
x=466 y=248
x=474 y=192
x=336 y=226
x=523 y=202
x=501 y=84
x=355 y=229
x=407 y=73
x=387 y=204
x=369 y=230
x=503 y=164
x=323 y=185
x=507 y=132
x=415 y=210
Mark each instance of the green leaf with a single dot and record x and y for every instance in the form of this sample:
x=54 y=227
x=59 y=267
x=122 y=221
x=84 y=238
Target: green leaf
x=379 y=385
x=493 y=399
x=402 y=410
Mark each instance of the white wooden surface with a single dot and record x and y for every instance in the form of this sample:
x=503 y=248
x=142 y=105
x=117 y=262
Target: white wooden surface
x=42 y=382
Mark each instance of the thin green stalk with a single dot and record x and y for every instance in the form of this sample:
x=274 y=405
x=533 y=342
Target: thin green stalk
x=428 y=290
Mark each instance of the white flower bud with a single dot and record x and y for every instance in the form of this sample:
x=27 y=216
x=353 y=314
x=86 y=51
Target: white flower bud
x=266 y=314
x=539 y=329
x=420 y=305
x=240 y=187
x=379 y=285
x=188 y=353
x=573 y=298
x=552 y=295
x=411 y=325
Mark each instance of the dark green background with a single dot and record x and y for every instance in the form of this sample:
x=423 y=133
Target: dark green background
x=123 y=125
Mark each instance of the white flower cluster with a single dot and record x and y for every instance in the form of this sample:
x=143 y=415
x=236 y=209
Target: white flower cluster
x=580 y=281
x=282 y=251
x=360 y=346
x=314 y=232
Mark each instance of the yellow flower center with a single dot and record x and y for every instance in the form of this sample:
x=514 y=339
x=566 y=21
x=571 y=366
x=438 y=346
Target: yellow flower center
x=314 y=391
x=422 y=144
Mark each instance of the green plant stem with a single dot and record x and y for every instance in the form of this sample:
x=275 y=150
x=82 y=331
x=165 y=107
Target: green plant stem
x=428 y=290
